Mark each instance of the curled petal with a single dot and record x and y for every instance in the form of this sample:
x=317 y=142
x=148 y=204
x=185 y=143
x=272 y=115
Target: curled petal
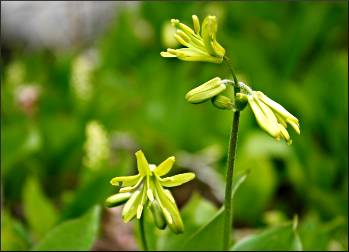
x=125 y=180
x=177 y=179
x=165 y=166
x=131 y=188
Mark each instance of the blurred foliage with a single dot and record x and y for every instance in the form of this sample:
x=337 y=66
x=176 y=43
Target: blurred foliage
x=296 y=53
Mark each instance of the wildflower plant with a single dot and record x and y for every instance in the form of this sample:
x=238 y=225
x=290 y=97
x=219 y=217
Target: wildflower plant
x=147 y=189
x=200 y=44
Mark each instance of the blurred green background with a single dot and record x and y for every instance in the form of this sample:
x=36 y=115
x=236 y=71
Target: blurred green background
x=71 y=120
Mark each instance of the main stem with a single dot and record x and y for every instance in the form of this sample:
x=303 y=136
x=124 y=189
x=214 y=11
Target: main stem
x=142 y=233
x=228 y=204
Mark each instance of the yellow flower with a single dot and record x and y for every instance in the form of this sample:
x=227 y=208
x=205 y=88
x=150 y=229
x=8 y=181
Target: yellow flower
x=271 y=116
x=199 y=46
x=147 y=187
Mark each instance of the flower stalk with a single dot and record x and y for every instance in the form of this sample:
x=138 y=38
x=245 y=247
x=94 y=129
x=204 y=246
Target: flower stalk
x=228 y=203
x=142 y=234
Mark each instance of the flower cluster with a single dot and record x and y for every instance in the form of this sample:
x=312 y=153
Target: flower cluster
x=147 y=189
x=199 y=46
x=271 y=116
x=96 y=145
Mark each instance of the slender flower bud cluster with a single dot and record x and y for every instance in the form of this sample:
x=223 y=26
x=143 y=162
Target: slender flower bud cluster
x=271 y=116
x=96 y=146
x=81 y=78
x=146 y=189
x=199 y=46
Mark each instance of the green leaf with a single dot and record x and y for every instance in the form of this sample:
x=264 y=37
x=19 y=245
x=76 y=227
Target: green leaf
x=13 y=234
x=39 y=211
x=281 y=238
x=94 y=191
x=74 y=235
x=209 y=236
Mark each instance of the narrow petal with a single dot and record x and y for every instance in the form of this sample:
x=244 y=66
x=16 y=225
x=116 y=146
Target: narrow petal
x=117 y=199
x=177 y=179
x=285 y=134
x=142 y=163
x=275 y=106
x=169 y=208
x=196 y=23
x=168 y=55
x=193 y=54
x=130 y=208
x=165 y=166
x=295 y=126
x=261 y=118
x=150 y=189
x=169 y=195
x=181 y=40
x=132 y=188
x=142 y=202
x=125 y=180
x=281 y=120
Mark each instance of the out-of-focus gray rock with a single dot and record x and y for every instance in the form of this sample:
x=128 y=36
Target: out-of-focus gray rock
x=56 y=24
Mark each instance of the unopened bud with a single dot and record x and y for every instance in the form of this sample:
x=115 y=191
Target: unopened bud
x=241 y=101
x=158 y=216
x=205 y=91
x=117 y=199
x=222 y=102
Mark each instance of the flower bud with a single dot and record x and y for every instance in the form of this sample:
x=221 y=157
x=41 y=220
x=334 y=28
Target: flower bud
x=241 y=101
x=117 y=199
x=222 y=102
x=196 y=23
x=158 y=216
x=205 y=91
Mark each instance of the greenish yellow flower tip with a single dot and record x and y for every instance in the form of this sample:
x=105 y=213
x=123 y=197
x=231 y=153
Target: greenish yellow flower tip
x=197 y=46
x=241 y=101
x=272 y=117
x=146 y=189
x=206 y=91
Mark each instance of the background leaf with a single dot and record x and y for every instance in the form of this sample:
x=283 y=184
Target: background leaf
x=39 y=211
x=209 y=236
x=281 y=238
x=77 y=234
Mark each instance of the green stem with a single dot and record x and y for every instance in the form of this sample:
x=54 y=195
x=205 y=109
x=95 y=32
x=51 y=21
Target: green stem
x=228 y=203
x=142 y=232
